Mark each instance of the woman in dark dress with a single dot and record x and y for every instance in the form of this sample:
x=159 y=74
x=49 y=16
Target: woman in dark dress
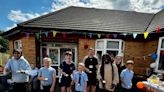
x=67 y=67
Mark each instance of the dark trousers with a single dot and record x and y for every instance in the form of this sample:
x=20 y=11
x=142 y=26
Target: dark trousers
x=20 y=87
x=46 y=88
x=103 y=90
x=126 y=90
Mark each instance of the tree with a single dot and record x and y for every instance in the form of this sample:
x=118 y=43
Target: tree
x=3 y=45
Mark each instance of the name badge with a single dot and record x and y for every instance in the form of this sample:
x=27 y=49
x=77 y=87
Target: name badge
x=90 y=66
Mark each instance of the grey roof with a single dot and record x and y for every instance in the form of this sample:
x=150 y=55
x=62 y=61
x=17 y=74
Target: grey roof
x=90 y=19
x=158 y=20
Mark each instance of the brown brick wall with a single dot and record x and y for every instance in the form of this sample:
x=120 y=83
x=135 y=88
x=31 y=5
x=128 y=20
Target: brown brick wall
x=28 y=47
x=29 y=50
x=83 y=52
x=136 y=50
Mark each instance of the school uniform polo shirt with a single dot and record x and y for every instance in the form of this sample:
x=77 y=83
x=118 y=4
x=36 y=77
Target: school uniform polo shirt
x=48 y=74
x=126 y=76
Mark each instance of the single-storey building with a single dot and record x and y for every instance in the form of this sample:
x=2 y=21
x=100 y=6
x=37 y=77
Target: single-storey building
x=137 y=35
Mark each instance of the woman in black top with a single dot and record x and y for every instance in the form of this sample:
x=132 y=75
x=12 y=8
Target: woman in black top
x=67 y=67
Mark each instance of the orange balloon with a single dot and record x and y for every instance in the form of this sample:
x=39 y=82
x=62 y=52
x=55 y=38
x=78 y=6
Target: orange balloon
x=140 y=85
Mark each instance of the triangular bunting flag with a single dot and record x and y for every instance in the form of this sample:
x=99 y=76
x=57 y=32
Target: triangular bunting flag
x=99 y=35
x=107 y=35
x=46 y=34
x=135 y=35
x=54 y=33
x=27 y=35
x=158 y=29
x=37 y=36
x=64 y=35
x=90 y=35
x=124 y=34
x=146 y=34
x=115 y=35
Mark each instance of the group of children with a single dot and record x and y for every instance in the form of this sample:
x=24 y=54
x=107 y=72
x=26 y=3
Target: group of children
x=80 y=78
x=87 y=73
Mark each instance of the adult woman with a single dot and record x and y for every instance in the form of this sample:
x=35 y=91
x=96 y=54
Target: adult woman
x=107 y=74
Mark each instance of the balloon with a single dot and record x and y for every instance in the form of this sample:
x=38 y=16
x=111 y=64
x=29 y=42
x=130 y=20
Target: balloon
x=154 y=56
x=140 y=85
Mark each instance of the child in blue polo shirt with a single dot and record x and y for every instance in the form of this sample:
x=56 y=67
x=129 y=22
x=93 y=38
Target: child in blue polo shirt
x=47 y=76
x=126 y=77
x=80 y=78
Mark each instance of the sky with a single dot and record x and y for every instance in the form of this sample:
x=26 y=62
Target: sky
x=13 y=12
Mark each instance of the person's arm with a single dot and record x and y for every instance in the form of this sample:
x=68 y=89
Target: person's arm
x=122 y=76
x=98 y=74
x=116 y=76
x=40 y=75
x=7 y=67
x=53 y=81
x=85 y=86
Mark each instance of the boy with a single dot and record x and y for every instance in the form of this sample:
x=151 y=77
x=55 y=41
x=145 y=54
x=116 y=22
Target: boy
x=47 y=76
x=126 y=77
x=80 y=78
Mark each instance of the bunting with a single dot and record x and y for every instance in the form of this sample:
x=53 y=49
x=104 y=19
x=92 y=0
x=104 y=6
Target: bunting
x=115 y=35
x=46 y=34
x=27 y=35
x=54 y=33
x=90 y=35
x=146 y=34
x=135 y=35
x=99 y=35
x=37 y=36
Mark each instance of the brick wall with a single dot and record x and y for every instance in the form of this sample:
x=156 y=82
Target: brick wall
x=28 y=47
x=136 y=50
x=82 y=52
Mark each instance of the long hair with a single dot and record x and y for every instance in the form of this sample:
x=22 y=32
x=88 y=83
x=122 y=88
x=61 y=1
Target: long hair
x=108 y=58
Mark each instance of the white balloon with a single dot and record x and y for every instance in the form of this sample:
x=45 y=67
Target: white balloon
x=153 y=65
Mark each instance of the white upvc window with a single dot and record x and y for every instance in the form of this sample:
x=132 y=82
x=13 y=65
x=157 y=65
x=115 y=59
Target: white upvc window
x=18 y=44
x=111 y=46
x=160 y=58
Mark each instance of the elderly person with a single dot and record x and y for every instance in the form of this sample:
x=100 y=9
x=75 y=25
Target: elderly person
x=107 y=74
x=19 y=67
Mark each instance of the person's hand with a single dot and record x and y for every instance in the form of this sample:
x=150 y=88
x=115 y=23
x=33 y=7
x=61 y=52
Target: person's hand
x=51 y=89
x=72 y=83
x=85 y=90
x=112 y=86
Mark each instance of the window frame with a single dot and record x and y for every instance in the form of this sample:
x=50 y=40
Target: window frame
x=158 y=55
x=105 y=49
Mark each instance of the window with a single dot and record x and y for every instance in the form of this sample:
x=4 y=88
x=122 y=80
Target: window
x=111 y=46
x=18 y=44
x=160 y=58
